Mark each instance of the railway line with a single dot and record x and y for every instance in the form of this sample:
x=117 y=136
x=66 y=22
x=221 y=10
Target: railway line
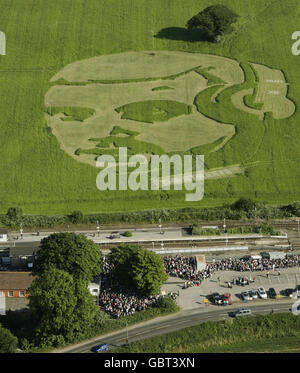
x=195 y=243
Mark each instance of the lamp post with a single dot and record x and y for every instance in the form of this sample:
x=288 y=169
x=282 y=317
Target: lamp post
x=21 y=231
x=224 y=225
x=159 y=225
x=98 y=228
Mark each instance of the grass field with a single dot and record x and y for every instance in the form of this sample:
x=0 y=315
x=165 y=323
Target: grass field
x=270 y=333
x=45 y=39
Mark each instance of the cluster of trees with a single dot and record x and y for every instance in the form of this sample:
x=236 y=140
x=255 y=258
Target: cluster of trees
x=138 y=268
x=244 y=208
x=62 y=308
x=213 y=22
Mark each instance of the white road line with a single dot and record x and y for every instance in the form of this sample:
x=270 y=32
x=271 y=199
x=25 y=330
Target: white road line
x=165 y=326
x=181 y=322
x=140 y=333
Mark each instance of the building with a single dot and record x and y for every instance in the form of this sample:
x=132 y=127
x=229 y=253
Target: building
x=22 y=256
x=3 y=235
x=18 y=257
x=15 y=284
x=200 y=262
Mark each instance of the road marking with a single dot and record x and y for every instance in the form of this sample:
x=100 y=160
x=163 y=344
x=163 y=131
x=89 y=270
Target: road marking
x=146 y=331
x=165 y=326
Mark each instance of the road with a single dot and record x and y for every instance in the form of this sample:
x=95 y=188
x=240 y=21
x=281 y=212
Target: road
x=178 y=321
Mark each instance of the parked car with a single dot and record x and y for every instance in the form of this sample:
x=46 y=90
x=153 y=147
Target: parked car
x=287 y=292
x=226 y=299
x=246 y=296
x=253 y=293
x=272 y=293
x=243 y=312
x=262 y=293
x=295 y=294
x=100 y=348
x=217 y=298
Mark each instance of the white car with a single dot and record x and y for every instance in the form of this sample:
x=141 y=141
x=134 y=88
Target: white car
x=253 y=293
x=262 y=293
x=246 y=295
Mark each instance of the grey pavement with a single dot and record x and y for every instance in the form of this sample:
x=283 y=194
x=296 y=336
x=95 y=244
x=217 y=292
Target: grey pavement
x=193 y=297
x=147 y=234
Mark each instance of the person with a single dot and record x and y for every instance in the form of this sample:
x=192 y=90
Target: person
x=278 y=273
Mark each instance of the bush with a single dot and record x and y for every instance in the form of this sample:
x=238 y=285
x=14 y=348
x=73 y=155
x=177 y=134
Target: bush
x=8 y=342
x=167 y=304
x=76 y=217
x=127 y=234
x=244 y=204
x=14 y=212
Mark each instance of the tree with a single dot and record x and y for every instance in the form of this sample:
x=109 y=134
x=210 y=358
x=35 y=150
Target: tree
x=14 y=212
x=138 y=268
x=53 y=302
x=70 y=252
x=8 y=342
x=76 y=217
x=213 y=22
x=244 y=204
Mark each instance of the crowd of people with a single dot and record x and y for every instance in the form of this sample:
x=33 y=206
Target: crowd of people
x=118 y=301
x=185 y=267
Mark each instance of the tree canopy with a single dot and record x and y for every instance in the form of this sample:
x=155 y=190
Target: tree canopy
x=213 y=22
x=70 y=252
x=244 y=204
x=8 y=342
x=63 y=308
x=138 y=268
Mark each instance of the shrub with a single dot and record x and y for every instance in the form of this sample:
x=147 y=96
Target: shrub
x=14 y=212
x=127 y=234
x=76 y=217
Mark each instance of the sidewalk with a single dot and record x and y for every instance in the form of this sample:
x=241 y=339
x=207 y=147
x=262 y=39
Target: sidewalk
x=193 y=297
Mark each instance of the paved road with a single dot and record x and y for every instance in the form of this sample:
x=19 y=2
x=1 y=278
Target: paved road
x=178 y=321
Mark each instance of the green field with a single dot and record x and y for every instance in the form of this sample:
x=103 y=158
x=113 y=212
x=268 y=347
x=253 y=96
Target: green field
x=268 y=333
x=249 y=119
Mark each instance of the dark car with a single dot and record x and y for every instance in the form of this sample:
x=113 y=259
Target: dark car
x=287 y=292
x=272 y=293
x=100 y=348
x=216 y=298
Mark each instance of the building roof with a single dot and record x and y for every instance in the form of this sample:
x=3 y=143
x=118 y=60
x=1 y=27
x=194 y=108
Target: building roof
x=23 y=251
x=3 y=231
x=277 y=255
x=16 y=280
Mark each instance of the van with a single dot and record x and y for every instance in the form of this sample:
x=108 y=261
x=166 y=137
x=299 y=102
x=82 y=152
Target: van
x=243 y=312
